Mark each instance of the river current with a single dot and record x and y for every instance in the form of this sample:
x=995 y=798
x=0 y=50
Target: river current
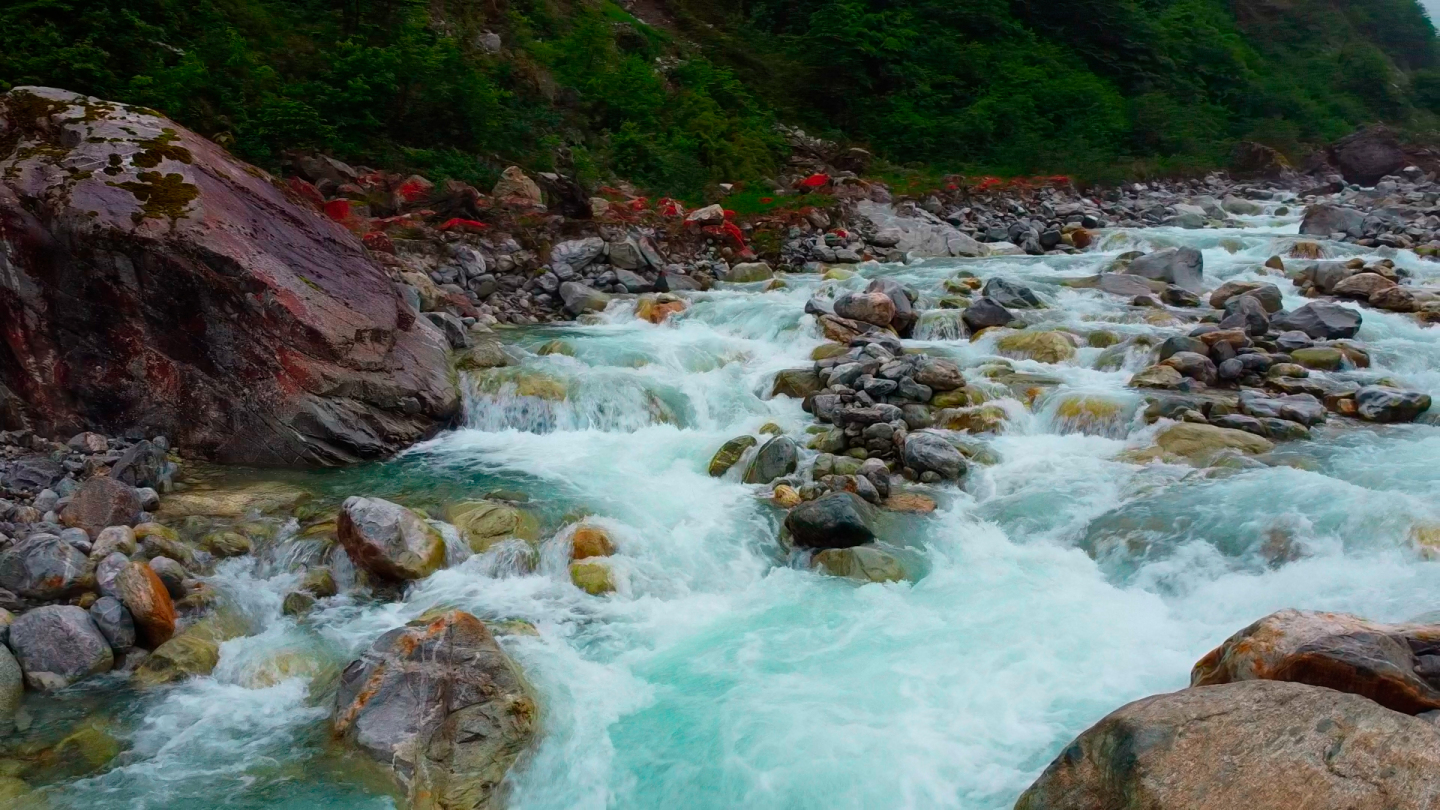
x=1056 y=584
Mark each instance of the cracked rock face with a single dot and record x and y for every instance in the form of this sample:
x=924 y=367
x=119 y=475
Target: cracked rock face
x=1266 y=745
x=147 y=278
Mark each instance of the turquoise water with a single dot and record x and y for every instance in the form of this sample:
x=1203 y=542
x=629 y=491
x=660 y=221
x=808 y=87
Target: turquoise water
x=1058 y=584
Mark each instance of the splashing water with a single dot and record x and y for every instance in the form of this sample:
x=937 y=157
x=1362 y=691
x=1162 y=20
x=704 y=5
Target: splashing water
x=1058 y=584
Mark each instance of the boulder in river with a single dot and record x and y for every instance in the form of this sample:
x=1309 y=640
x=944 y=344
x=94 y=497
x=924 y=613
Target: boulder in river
x=905 y=315
x=776 y=457
x=1182 y=266
x=440 y=704
x=43 y=566
x=297 y=349
x=1201 y=443
x=139 y=588
x=867 y=307
x=834 y=520
x=729 y=453
x=1395 y=665
x=1367 y=155
x=1323 y=220
x=1010 y=295
x=1381 y=403
x=114 y=622
x=1320 y=320
x=388 y=540
x=929 y=452
x=985 y=313
x=865 y=563
x=1260 y=745
x=58 y=645
x=12 y=689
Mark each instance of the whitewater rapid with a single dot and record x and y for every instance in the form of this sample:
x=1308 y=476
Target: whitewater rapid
x=1056 y=585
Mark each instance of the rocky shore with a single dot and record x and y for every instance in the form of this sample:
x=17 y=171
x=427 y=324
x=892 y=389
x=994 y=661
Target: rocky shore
x=156 y=290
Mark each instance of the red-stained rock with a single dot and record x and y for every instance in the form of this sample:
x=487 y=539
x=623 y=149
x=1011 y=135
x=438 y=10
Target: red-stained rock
x=142 y=591
x=151 y=280
x=1395 y=665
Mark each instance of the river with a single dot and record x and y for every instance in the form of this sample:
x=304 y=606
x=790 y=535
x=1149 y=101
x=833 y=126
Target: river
x=1059 y=583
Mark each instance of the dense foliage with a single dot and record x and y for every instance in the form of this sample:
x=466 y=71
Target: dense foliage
x=1014 y=86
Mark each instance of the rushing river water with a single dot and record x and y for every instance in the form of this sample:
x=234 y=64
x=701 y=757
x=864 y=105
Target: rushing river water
x=1057 y=584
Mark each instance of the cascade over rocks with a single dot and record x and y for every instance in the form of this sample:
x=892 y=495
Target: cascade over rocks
x=265 y=332
x=1183 y=267
x=440 y=704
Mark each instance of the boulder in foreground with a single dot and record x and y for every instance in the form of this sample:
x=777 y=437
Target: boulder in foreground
x=154 y=281
x=1395 y=665
x=388 y=540
x=440 y=703
x=1258 y=745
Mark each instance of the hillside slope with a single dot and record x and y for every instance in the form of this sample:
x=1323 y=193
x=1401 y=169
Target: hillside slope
x=462 y=87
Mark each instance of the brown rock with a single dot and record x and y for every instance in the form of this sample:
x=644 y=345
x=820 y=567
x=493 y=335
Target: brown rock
x=1362 y=285
x=102 y=502
x=1260 y=745
x=389 y=540
x=590 y=541
x=1395 y=665
x=142 y=592
x=185 y=291
x=869 y=307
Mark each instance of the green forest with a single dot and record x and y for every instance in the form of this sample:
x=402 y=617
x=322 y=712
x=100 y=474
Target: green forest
x=1096 y=88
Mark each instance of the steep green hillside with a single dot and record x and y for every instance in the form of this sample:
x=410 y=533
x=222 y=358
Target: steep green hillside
x=1087 y=86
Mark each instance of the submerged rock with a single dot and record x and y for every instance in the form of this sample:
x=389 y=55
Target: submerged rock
x=442 y=706
x=594 y=578
x=865 y=563
x=729 y=453
x=388 y=540
x=485 y=523
x=297 y=349
x=1200 y=443
x=1260 y=745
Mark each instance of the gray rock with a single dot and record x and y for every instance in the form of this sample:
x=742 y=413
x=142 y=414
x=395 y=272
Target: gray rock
x=675 y=282
x=451 y=327
x=580 y=299
x=1010 y=295
x=775 y=458
x=42 y=567
x=834 y=520
x=1246 y=312
x=928 y=452
x=1182 y=343
x=1320 y=320
x=1124 y=285
x=1302 y=408
x=1323 y=220
x=47 y=500
x=140 y=466
x=578 y=253
x=58 y=645
x=172 y=575
x=1239 y=421
x=985 y=313
x=1378 y=403
x=1183 y=267
x=149 y=499
x=626 y=255
x=31 y=473
x=12 y=689
x=747 y=272
x=440 y=703
x=114 y=622
x=633 y=282
x=107 y=569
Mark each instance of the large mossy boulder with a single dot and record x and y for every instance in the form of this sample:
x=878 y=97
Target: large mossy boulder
x=155 y=280
x=441 y=705
x=485 y=523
